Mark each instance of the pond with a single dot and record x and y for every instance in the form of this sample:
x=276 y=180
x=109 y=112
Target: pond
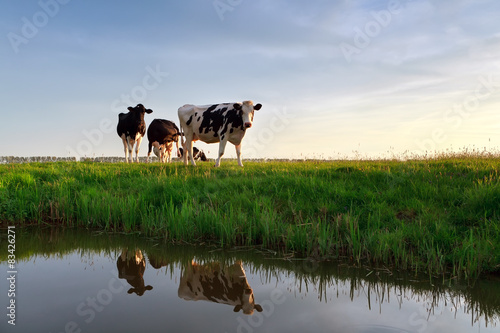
x=79 y=281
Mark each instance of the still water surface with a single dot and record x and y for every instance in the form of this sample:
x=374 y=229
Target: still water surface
x=72 y=281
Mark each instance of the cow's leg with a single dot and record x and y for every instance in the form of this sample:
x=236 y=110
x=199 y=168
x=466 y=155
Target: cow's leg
x=185 y=153
x=189 y=150
x=238 y=154
x=130 y=144
x=163 y=152
x=177 y=145
x=188 y=147
x=137 y=146
x=222 y=147
x=150 y=147
x=168 y=150
x=157 y=149
x=131 y=149
x=125 y=146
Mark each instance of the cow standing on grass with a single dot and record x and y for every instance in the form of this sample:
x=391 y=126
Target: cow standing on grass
x=216 y=123
x=131 y=128
x=161 y=136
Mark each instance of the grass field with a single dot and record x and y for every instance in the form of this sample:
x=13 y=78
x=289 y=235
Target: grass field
x=439 y=215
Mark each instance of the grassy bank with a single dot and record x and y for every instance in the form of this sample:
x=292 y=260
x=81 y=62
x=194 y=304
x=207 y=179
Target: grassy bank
x=437 y=215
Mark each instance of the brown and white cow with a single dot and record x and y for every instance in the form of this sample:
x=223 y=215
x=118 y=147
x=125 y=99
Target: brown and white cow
x=216 y=123
x=215 y=282
x=131 y=128
x=161 y=135
x=131 y=266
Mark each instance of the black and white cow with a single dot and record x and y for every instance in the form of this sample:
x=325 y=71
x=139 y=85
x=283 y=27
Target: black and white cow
x=131 y=128
x=197 y=154
x=215 y=282
x=131 y=266
x=216 y=123
x=161 y=135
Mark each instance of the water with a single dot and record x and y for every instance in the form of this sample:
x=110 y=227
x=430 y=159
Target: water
x=72 y=281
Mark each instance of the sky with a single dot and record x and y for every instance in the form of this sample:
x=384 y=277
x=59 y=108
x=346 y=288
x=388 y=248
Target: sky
x=336 y=79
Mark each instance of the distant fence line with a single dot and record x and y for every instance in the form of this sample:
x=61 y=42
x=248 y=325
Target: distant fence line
x=113 y=159
x=31 y=159
x=116 y=159
x=47 y=159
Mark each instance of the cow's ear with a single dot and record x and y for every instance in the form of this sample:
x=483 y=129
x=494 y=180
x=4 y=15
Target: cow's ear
x=257 y=107
x=149 y=111
x=237 y=106
x=130 y=108
x=258 y=308
x=237 y=308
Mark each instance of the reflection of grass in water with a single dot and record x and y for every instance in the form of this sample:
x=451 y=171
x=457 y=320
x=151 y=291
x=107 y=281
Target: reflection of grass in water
x=480 y=300
x=434 y=215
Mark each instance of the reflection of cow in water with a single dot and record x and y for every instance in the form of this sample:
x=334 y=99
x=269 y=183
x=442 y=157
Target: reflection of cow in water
x=131 y=266
x=218 y=283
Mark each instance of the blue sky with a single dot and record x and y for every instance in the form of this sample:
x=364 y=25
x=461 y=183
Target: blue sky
x=336 y=78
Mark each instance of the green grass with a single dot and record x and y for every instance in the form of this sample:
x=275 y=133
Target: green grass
x=439 y=215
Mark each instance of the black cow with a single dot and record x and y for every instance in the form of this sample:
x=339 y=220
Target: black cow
x=216 y=123
x=161 y=134
x=197 y=154
x=131 y=128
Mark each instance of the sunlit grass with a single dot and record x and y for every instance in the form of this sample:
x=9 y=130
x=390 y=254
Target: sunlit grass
x=438 y=214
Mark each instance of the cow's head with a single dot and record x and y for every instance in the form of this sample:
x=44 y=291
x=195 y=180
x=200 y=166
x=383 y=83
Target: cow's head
x=162 y=150
x=131 y=266
x=248 y=303
x=247 y=109
x=139 y=110
x=203 y=157
x=159 y=151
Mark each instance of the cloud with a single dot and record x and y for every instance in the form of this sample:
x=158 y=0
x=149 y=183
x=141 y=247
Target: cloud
x=428 y=56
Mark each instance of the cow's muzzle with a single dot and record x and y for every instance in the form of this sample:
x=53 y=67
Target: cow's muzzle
x=248 y=125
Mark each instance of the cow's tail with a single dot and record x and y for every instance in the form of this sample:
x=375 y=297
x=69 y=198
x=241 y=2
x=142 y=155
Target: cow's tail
x=181 y=137
x=177 y=145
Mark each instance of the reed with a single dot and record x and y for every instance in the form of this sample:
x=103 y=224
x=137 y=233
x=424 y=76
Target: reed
x=438 y=215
